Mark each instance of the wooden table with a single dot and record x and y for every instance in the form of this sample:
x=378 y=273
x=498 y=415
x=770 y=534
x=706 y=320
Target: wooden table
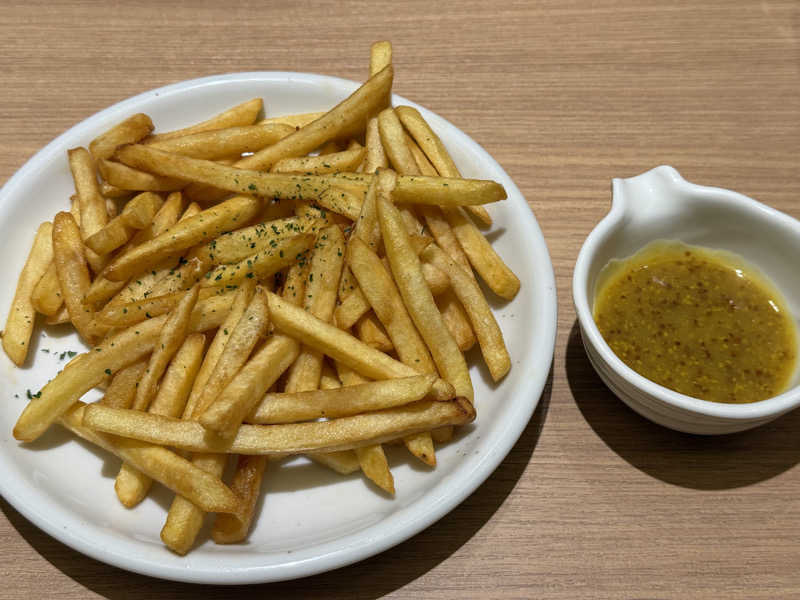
x=593 y=501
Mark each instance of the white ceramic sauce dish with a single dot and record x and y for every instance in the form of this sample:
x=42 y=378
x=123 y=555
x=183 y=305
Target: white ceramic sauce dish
x=660 y=204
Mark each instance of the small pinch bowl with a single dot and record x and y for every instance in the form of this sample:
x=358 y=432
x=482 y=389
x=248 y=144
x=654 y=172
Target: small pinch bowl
x=660 y=204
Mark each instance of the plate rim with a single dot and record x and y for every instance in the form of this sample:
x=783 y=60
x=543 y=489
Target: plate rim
x=532 y=386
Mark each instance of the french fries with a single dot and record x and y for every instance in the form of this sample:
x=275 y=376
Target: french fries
x=19 y=325
x=340 y=296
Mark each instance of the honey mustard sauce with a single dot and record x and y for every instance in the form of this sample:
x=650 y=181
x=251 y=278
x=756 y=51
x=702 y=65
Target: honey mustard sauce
x=697 y=321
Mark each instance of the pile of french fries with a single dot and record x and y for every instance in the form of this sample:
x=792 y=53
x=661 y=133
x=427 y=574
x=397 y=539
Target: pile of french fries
x=254 y=288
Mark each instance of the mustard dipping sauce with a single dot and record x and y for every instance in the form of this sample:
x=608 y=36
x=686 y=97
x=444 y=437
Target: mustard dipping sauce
x=698 y=321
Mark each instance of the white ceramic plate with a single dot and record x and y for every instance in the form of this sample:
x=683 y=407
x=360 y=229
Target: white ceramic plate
x=311 y=520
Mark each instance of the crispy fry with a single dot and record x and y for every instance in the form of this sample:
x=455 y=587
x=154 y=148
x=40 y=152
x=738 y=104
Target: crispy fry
x=226 y=412
x=435 y=150
x=343 y=401
x=333 y=342
x=122 y=389
x=170 y=340
x=319 y=300
x=385 y=299
x=245 y=335
x=421 y=446
x=72 y=272
x=494 y=272
x=221 y=143
x=246 y=484
x=92 y=204
x=131 y=484
x=351 y=310
x=419 y=301
x=195 y=230
x=437 y=280
x=46 y=297
x=343 y=462
x=394 y=143
x=113 y=192
x=240 y=115
x=261 y=265
x=130 y=131
x=337 y=434
x=370 y=331
x=456 y=320
x=22 y=314
x=347 y=160
x=380 y=56
x=161 y=464
x=329 y=380
x=111 y=355
x=373 y=463
x=137 y=214
x=410 y=189
x=102 y=289
x=375 y=157
x=296 y=121
x=488 y=332
x=127 y=178
x=60 y=318
x=247 y=241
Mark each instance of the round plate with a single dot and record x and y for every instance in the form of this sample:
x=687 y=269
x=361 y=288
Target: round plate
x=310 y=519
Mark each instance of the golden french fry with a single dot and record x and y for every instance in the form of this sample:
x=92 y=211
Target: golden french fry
x=490 y=338
x=113 y=192
x=72 y=272
x=164 y=466
x=296 y=438
x=348 y=376
x=185 y=517
x=241 y=299
x=221 y=143
x=296 y=121
x=343 y=401
x=46 y=297
x=382 y=293
x=380 y=56
x=131 y=484
x=137 y=214
x=130 y=313
x=22 y=314
x=423 y=164
x=494 y=272
x=394 y=143
x=340 y=201
x=170 y=340
x=435 y=150
x=445 y=237
x=126 y=178
x=102 y=289
x=344 y=120
x=375 y=157
x=347 y=160
x=437 y=280
x=92 y=205
x=415 y=189
x=247 y=332
x=373 y=463
x=421 y=446
x=456 y=320
x=130 y=131
x=200 y=228
x=246 y=484
x=60 y=318
x=351 y=310
x=247 y=241
x=261 y=265
x=419 y=301
x=370 y=331
x=111 y=355
x=442 y=435
x=247 y=388
x=331 y=341
x=329 y=380
x=319 y=300
x=122 y=389
x=240 y=115
x=344 y=462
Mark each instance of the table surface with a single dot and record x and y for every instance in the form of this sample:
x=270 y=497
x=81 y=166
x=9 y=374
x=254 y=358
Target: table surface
x=593 y=501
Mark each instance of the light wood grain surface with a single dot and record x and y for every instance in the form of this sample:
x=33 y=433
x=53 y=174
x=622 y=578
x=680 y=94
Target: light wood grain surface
x=593 y=501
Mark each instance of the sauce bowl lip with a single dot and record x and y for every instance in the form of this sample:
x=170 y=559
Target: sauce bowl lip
x=607 y=227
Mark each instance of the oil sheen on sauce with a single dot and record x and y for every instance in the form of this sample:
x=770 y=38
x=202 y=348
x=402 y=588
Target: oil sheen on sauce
x=698 y=321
